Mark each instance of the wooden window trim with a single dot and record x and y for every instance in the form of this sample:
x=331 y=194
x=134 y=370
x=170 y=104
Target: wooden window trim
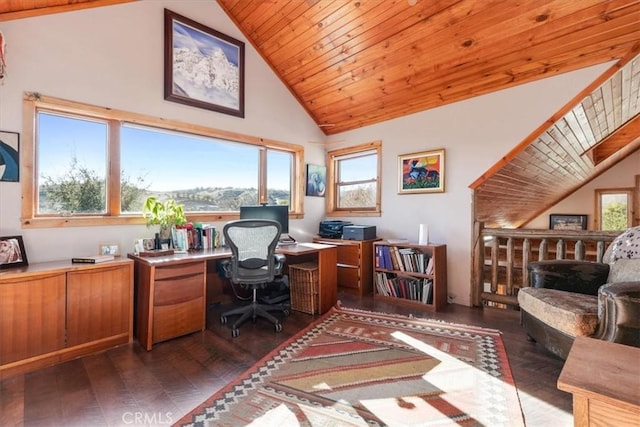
x=34 y=102
x=630 y=191
x=331 y=196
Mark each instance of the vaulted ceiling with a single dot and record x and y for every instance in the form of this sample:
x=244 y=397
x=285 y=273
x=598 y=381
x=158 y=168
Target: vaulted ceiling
x=356 y=63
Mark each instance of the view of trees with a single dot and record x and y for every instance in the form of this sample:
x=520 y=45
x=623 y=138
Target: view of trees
x=358 y=196
x=81 y=190
x=614 y=216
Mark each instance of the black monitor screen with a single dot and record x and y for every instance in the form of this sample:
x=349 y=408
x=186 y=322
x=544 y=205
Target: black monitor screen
x=278 y=213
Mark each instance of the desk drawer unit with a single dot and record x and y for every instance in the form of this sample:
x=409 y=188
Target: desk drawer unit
x=179 y=300
x=354 y=264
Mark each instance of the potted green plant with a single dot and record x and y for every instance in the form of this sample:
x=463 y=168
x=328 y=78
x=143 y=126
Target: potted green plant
x=166 y=214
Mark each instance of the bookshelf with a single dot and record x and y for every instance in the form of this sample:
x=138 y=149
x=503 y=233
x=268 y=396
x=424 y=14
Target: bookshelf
x=411 y=274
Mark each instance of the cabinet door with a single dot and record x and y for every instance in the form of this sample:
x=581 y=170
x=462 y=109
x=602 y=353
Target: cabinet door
x=31 y=317
x=98 y=303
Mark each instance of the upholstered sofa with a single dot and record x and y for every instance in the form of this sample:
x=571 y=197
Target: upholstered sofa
x=569 y=298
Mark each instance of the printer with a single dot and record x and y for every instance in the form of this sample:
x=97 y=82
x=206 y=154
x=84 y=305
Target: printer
x=332 y=229
x=359 y=232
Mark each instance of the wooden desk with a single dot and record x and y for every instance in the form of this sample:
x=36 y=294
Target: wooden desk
x=604 y=378
x=171 y=291
x=327 y=256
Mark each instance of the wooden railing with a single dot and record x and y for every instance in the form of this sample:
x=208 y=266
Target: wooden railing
x=500 y=257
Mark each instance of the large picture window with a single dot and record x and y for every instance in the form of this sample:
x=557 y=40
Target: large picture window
x=354 y=180
x=94 y=166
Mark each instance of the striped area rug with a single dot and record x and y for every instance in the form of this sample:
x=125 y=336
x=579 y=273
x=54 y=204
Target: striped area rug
x=359 y=368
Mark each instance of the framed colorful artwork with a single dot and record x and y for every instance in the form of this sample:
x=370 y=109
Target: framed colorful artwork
x=9 y=156
x=203 y=67
x=421 y=172
x=316 y=180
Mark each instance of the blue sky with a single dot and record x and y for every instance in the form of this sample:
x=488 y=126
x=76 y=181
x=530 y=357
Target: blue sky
x=167 y=160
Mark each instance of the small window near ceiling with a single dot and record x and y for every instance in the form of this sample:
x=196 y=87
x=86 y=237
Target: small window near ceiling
x=613 y=209
x=354 y=180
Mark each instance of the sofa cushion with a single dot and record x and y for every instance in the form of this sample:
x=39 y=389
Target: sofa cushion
x=572 y=313
x=625 y=246
x=624 y=270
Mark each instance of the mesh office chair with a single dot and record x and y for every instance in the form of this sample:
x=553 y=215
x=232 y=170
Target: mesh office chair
x=253 y=264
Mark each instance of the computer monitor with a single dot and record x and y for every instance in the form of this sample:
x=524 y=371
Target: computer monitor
x=279 y=213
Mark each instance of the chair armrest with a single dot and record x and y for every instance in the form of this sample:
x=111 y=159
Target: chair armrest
x=583 y=277
x=280 y=260
x=619 y=309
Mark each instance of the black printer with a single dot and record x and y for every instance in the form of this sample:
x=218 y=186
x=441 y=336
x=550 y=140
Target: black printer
x=332 y=229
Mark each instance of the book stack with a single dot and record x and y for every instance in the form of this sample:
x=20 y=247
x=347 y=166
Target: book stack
x=406 y=287
x=92 y=259
x=403 y=259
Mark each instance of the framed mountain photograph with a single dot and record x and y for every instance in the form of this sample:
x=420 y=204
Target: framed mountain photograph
x=203 y=67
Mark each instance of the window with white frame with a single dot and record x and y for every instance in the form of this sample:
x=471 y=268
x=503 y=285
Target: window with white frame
x=95 y=166
x=354 y=180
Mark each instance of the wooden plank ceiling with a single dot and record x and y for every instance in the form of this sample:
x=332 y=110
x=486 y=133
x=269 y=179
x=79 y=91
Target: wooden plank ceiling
x=354 y=63
x=573 y=147
x=360 y=62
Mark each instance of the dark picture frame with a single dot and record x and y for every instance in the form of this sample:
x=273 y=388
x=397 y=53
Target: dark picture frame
x=316 y=180
x=9 y=156
x=12 y=252
x=217 y=83
x=421 y=172
x=567 y=222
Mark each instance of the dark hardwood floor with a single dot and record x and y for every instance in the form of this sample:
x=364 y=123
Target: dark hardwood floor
x=128 y=386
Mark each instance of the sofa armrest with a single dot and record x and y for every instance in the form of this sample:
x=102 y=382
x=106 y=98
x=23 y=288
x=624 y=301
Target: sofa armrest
x=619 y=312
x=584 y=277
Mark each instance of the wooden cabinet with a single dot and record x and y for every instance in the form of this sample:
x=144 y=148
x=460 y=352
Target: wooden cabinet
x=411 y=274
x=32 y=316
x=99 y=304
x=57 y=311
x=603 y=378
x=355 y=262
x=170 y=298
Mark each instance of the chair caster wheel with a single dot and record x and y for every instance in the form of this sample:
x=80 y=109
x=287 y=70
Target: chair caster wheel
x=286 y=312
x=223 y=320
x=235 y=333
x=278 y=327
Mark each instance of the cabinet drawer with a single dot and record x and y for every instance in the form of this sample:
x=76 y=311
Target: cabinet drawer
x=179 y=270
x=176 y=291
x=349 y=255
x=349 y=277
x=172 y=321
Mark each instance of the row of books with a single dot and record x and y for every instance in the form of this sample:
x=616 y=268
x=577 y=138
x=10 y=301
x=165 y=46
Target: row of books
x=411 y=288
x=195 y=237
x=403 y=259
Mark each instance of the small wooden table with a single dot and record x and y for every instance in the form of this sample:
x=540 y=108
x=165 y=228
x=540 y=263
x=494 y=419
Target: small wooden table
x=604 y=379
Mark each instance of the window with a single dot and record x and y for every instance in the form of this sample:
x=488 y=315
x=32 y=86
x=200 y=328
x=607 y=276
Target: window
x=613 y=209
x=94 y=166
x=354 y=180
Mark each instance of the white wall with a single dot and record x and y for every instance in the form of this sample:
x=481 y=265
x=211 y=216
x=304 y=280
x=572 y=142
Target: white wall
x=475 y=134
x=582 y=201
x=112 y=57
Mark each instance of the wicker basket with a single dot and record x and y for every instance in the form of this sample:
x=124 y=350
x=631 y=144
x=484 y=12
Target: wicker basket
x=303 y=283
